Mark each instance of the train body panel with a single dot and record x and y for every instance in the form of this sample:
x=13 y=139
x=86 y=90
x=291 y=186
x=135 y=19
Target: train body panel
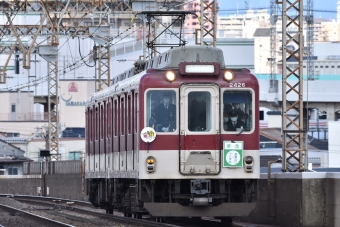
x=185 y=132
x=172 y=169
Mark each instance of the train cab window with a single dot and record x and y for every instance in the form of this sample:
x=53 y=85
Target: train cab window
x=237 y=111
x=161 y=110
x=199 y=111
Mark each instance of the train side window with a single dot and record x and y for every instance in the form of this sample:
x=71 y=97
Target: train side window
x=122 y=116
x=115 y=117
x=199 y=111
x=237 y=110
x=161 y=110
x=96 y=135
x=136 y=110
x=101 y=122
x=109 y=119
x=129 y=113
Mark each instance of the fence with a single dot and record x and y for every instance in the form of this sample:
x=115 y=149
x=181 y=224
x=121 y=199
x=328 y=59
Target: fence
x=50 y=168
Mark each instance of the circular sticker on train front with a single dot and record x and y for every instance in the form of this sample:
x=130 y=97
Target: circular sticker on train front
x=148 y=134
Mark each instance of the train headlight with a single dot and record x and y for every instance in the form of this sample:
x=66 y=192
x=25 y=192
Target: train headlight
x=248 y=162
x=170 y=76
x=150 y=164
x=228 y=75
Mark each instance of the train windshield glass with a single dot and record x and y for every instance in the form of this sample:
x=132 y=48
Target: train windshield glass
x=237 y=111
x=161 y=110
x=199 y=111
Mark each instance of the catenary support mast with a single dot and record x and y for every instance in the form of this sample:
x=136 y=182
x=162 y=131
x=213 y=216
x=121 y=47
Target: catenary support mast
x=293 y=132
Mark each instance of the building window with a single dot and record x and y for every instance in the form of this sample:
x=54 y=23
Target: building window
x=74 y=155
x=326 y=66
x=321 y=66
x=2 y=170
x=316 y=66
x=12 y=171
x=332 y=66
x=261 y=115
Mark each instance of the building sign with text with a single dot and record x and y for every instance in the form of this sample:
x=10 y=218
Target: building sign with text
x=72 y=88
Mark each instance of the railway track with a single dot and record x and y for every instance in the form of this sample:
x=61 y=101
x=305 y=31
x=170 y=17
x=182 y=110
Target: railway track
x=26 y=217
x=82 y=215
x=85 y=212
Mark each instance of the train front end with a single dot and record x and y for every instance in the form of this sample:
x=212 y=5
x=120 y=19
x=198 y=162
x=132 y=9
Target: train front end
x=199 y=144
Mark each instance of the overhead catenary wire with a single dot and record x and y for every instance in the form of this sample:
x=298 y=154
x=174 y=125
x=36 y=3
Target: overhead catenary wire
x=72 y=66
x=81 y=57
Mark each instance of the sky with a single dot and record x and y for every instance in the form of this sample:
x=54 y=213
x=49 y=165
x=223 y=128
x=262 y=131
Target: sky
x=240 y=4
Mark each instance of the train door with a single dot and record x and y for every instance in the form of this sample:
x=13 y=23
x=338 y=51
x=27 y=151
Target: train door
x=108 y=136
x=96 y=138
x=129 y=130
x=116 y=134
x=135 y=130
x=102 y=129
x=90 y=138
x=122 y=137
x=199 y=129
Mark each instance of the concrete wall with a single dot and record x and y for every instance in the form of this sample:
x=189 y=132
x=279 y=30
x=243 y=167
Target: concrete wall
x=332 y=191
x=307 y=199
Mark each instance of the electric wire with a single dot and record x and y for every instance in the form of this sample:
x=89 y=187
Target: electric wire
x=69 y=68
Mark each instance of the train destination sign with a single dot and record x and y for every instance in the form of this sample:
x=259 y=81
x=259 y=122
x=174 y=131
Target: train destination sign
x=233 y=154
x=199 y=69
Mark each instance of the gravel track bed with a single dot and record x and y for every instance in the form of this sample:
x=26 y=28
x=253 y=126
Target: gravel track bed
x=77 y=219
x=65 y=216
x=14 y=219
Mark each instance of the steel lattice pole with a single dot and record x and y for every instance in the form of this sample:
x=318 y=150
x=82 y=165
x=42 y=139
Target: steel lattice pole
x=310 y=40
x=292 y=85
x=208 y=23
x=53 y=110
x=273 y=19
x=103 y=66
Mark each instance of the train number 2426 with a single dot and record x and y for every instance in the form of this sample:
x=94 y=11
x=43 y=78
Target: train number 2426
x=237 y=85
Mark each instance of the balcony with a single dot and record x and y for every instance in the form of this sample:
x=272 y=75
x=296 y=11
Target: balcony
x=30 y=116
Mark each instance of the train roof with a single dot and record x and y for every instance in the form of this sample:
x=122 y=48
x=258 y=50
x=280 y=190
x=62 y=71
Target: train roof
x=167 y=60
x=173 y=57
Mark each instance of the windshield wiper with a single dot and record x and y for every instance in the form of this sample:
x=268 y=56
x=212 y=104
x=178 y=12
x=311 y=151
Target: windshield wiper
x=240 y=131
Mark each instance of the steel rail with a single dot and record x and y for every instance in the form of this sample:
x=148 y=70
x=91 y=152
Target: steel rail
x=40 y=219
x=76 y=202
x=73 y=208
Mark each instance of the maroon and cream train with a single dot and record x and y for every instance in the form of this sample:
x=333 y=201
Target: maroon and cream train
x=159 y=142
